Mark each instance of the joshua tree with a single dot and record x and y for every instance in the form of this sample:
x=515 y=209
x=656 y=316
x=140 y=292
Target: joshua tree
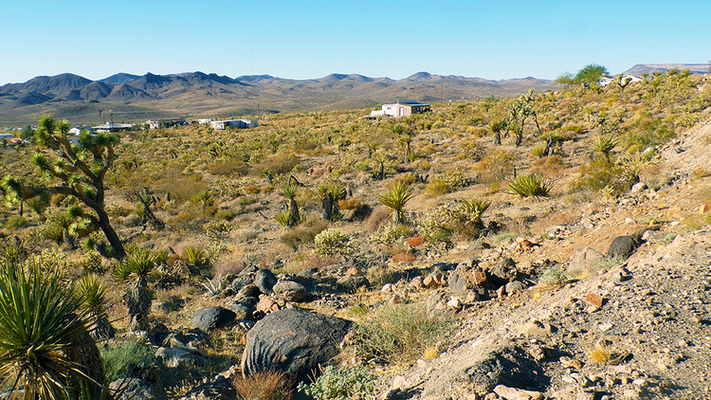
x=77 y=170
x=604 y=144
x=291 y=217
x=395 y=199
x=496 y=127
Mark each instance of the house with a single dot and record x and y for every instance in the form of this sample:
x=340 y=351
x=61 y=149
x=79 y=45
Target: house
x=625 y=80
x=112 y=127
x=76 y=131
x=233 y=123
x=204 y=121
x=401 y=108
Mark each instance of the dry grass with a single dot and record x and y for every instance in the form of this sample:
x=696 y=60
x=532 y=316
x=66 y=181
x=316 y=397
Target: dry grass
x=264 y=385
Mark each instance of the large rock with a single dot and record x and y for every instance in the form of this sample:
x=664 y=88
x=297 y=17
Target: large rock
x=351 y=283
x=265 y=280
x=293 y=340
x=137 y=389
x=585 y=259
x=623 y=247
x=290 y=290
x=504 y=272
x=174 y=358
x=210 y=318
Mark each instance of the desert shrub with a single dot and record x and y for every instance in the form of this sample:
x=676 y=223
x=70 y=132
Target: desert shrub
x=389 y=233
x=533 y=186
x=377 y=218
x=399 y=333
x=431 y=229
x=303 y=235
x=435 y=188
x=120 y=359
x=264 y=385
x=333 y=242
x=226 y=214
x=495 y=166
x=550 y=166
x=203 y=198
x=17 y=222
x=341 y=384
x=464 y=218
x=349 y=204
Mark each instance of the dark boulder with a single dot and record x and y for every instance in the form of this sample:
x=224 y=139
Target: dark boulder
x=290 y=290
x=265 y=280
x=293 y=340
x=351 y=283
x=623 y=247
x=210 y=318
x=503 y=272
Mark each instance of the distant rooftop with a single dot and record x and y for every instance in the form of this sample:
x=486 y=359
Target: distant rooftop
x=411 y=103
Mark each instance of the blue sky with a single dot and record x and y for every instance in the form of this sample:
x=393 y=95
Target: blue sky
x=496 y=39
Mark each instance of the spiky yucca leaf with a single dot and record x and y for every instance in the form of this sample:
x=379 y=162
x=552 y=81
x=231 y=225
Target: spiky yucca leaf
x=396 y=198
x=534 y=186
x=39 y=321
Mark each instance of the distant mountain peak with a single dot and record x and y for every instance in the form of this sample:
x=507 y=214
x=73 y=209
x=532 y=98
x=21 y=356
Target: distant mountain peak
x=420 y=76
x=120 y=78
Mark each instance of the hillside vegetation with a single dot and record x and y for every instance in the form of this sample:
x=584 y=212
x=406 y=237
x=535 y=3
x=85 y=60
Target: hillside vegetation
x=326 y=191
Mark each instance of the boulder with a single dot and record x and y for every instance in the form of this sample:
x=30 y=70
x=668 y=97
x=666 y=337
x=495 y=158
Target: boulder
x=290 y=290
x=623 y=247
x=351 y=283
x=515 y=286
x=175 y=358
x=210 y=318
x=265 y=280
x=293 y=340
x=137 y=389
x=242 y=311
x=504 y=272
x=585 y=258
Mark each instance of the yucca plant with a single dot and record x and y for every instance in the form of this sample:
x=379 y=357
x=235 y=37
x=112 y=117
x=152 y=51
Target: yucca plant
x=473 y=210
x=91 y=296
x=45 y=350
x=292 y=216
x=395 y=199
x=534 y=186
x=134 y=272
x=331 y=193
x=604 y=144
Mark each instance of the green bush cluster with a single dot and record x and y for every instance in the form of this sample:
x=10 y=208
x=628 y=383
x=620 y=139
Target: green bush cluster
x=331 y=242
x=341 y=384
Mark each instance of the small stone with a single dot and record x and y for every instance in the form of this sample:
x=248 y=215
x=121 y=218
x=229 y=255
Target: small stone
x=537 y=352
x=353 y=270
x=501 y=292
x=594 y=299
x=509 y=393
x=568 y=362
x=455 y=304
x=429 y=281
x=388 y=288
x=604 y=326
x=417 y=282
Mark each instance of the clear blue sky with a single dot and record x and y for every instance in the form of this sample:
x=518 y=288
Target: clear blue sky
x=493 y=39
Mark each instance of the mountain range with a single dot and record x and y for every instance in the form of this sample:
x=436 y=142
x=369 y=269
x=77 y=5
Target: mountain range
x=133 y=98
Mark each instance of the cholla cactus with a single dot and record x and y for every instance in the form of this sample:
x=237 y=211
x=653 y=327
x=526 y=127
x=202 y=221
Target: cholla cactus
x=333 y=242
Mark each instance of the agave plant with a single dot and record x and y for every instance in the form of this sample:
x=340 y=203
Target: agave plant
x=45 y=350
x=395 y=199
x=534 y=186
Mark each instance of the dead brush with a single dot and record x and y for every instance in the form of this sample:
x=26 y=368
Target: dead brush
x=265 y=385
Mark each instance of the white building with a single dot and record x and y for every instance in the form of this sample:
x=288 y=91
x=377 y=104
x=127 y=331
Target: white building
x=233 y=123
x=401 y=108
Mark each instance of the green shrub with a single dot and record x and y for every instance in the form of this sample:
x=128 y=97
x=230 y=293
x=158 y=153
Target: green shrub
x=303 y=235
x=400 y=333
x=395 y=199
x=534 y=186
x=121 y=358
x=341 y=384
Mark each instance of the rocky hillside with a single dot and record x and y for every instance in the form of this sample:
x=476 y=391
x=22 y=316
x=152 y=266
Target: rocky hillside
x=548 y=245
